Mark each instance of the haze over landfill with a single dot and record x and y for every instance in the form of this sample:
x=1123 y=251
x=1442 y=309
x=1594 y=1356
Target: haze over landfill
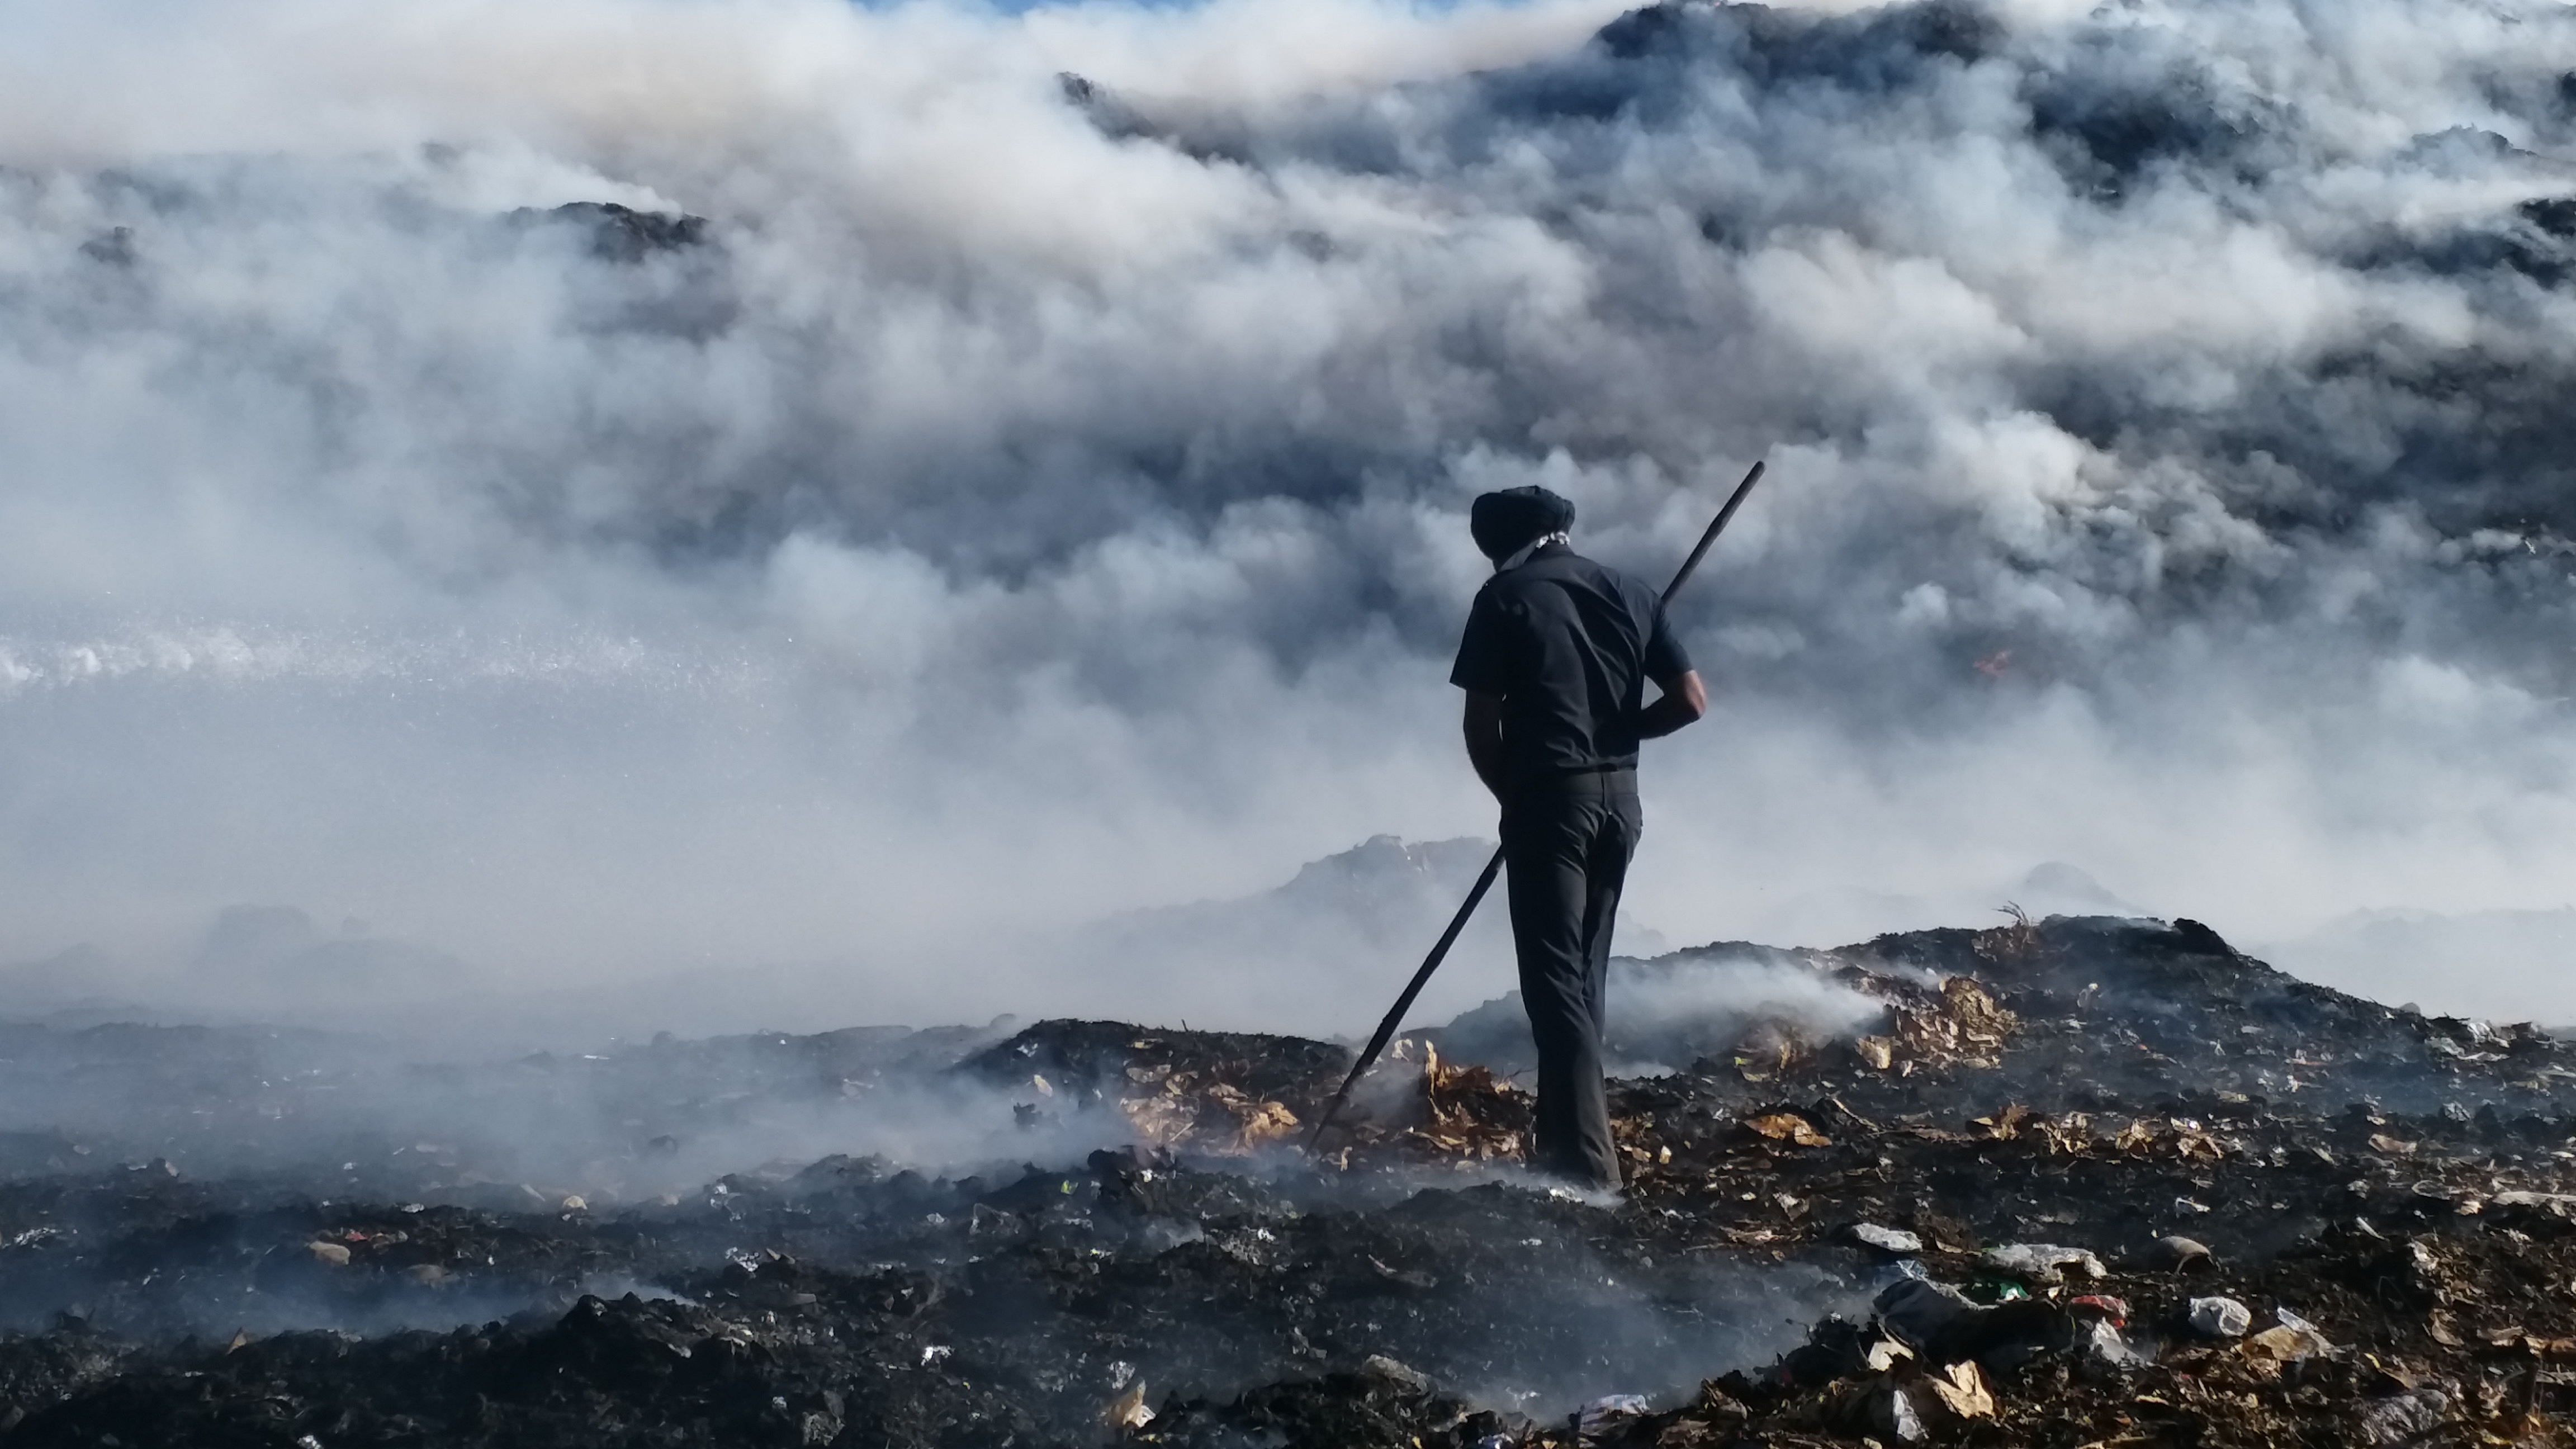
x=714 y=715
x=1035 y=490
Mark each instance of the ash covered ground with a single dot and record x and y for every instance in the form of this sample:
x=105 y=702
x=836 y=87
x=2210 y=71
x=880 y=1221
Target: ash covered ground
x=1925 y=1188
x=563 y=481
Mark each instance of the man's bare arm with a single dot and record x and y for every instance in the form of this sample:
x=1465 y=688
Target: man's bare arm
x=1683 y=701
x=1484 y=728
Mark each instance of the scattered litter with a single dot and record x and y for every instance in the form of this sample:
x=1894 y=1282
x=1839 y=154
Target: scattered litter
x=1788 y=1127
x=1128 y=1410
x=1379 y=1366
x=2220 y=1317
x=2105 y=1342
x=1892 y=1413
x=2040 y=1084
x=1886 y=1240
x=2403 y=1419
x=2292 y=1340
x=2044 y=1262
x=1601 y=1414
x=1942 y=1325
x=1917 y=1310
x=1962 y=1390
x=2114 y=1309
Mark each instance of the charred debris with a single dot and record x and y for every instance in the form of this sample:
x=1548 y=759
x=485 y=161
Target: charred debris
x=2082 y=1182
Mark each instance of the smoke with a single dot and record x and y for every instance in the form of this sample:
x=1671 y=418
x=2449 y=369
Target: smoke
x=1670 y=1012
x=1712 y=1001
x=1035 y=491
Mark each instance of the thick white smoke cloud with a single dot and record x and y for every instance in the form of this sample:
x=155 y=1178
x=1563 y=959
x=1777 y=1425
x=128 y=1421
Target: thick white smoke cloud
x=1023 y=500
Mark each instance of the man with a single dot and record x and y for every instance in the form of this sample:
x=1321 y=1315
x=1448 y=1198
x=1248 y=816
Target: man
x=1555 y=661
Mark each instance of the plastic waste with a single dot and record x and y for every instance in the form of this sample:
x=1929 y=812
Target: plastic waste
x=2220 y=1317
x=1896 y=1417
x=2292 y=1340
x=2114 y=1309
x=1918 y=1311
x=2105 y=1342
x=2403 y=1419
x=1379 y=1366
x=1886 y=1240
x=1943 y=1326
x=1601 y=1413
x=1128 y=1410
x=2044 y=1262
x=2285 y=1345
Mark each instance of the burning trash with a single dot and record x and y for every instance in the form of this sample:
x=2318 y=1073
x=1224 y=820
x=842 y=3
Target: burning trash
x=2076 y=1203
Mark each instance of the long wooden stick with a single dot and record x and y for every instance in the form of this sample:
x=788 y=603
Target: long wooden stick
x=1494 y=867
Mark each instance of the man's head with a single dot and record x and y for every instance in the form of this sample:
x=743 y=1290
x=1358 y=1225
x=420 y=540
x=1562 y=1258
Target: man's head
x=1504 y=523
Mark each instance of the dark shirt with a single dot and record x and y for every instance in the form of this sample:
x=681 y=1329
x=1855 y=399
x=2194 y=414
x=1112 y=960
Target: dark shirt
x=1568 y=645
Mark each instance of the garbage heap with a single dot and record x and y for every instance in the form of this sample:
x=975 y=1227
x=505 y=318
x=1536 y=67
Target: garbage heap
x=2081 y=1183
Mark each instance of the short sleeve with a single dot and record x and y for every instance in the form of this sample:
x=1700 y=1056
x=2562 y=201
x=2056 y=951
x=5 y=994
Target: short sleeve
x=1483 y=665
x=1664 y=659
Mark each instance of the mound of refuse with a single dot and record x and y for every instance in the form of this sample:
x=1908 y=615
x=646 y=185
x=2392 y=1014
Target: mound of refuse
x=2071 y=1182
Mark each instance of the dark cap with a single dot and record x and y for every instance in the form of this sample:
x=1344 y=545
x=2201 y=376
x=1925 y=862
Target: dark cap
x=1503 y=522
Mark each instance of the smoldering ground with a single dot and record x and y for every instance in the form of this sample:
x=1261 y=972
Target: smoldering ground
x=1670 y=1012
x=477 y=1191
x=1035 y=488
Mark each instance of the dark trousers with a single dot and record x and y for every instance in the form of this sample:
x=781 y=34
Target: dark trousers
x=1566 y=844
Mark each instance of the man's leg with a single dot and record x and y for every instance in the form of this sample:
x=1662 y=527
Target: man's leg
x=1549 y=848
x=1614 y=844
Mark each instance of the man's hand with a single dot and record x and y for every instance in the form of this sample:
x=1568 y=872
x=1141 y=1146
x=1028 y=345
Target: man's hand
x=1683 y=701
x=1484 y=727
